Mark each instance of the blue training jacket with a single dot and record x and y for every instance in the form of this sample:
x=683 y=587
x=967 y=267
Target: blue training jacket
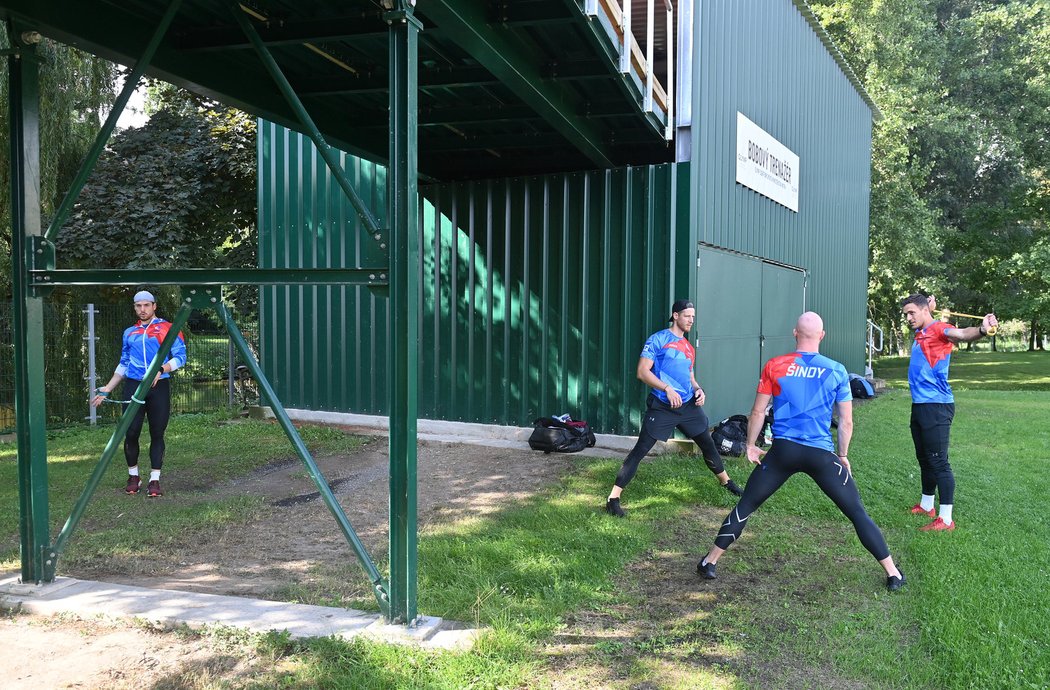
x=141 y=344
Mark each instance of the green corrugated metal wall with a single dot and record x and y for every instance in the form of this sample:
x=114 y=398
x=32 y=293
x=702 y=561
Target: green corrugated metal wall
x=537 y=293
x=764 y=59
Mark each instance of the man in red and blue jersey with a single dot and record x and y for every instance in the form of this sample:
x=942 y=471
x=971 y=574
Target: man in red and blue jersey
x=139 y=347
x=804 y=386
x=675 y=401
x=933 y=405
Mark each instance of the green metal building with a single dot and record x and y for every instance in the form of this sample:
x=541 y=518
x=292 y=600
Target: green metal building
x=544 y=184
x=537 y=292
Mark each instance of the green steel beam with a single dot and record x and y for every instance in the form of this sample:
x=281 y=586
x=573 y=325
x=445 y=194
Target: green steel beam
x=517 y=13
x=402 y=209
x=119 y=33
x=137 y=400
x=23 y=98
x=374 y=277
x=374 y=123
x=379 y=587
x=130 y=84
x=434 y=77
x=330 y=156
x=498 y=50
x=283 y=32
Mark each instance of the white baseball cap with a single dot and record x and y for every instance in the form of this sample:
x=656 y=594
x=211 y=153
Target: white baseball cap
x=144 y=296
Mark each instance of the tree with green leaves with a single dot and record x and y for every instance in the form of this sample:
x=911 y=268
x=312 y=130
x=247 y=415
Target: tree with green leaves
x=178 y=192
x=959 y=198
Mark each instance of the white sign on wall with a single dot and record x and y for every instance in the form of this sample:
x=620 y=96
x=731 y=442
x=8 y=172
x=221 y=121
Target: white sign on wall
x=765 y=165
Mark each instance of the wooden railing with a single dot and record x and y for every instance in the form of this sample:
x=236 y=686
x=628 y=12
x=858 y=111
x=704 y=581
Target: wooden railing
x=632 y=59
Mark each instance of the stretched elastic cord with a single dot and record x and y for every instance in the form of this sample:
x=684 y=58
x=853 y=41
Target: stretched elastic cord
x=119 y=402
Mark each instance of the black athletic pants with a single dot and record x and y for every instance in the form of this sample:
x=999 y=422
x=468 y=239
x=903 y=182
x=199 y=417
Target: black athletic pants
x=931 y=424
x=712 y=458
x=158 y=410
x=786 y=458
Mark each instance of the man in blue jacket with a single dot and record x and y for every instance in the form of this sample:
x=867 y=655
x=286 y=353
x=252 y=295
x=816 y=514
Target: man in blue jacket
x=140 y=345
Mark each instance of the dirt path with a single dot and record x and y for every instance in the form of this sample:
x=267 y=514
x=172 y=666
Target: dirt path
x=61 y=652
x=669 y=619
x=296 y=551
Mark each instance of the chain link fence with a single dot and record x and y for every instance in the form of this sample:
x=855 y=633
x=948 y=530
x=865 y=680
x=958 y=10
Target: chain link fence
x=83 y=341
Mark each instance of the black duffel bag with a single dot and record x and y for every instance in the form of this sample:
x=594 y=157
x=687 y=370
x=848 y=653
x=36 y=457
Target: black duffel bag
x=555 y=436
x=730 y=435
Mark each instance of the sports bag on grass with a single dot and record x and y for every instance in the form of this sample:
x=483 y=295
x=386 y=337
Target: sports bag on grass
x=730 y=435
x=555 y=436
x=860 y=387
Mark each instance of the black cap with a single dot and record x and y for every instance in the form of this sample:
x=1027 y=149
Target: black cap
x=679 y=306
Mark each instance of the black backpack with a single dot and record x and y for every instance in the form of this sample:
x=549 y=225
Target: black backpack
x=730 y=435
x=860 y=387
x=555 y=436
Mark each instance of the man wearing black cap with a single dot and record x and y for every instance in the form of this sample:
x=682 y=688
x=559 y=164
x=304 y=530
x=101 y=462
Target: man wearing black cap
x=141 y=343
x=676 y=400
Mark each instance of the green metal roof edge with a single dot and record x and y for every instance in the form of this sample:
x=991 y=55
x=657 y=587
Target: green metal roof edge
x=825 y=38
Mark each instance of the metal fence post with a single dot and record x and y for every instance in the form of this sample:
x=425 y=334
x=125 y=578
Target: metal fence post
x=229 y=368
x=91 y=376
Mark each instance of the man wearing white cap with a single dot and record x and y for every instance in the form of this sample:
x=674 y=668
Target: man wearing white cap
x=140 y=345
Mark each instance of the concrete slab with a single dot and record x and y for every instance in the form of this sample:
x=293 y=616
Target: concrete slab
x=489 y=435
x=88 y=599
x=422 y=629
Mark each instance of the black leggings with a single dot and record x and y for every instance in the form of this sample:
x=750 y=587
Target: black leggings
x=646 y=442
x=931 y=424
x=158 y=409
x=786 y=458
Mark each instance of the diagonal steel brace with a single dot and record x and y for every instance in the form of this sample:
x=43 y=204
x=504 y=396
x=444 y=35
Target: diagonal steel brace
x=130 y=84
x=329 y=155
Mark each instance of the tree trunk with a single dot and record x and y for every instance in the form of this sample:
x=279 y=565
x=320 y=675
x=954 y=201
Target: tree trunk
x=1033 y=335
x=994 y=348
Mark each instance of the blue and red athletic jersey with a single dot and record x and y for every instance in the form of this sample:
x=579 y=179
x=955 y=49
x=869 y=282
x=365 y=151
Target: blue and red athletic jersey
x=141 y=344
x=805 y=386
x=673 y=359
x=931 y=354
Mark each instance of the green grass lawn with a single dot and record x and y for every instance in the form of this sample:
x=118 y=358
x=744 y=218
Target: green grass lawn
x=203 y=449
x=1008 y=371
x=798 y=602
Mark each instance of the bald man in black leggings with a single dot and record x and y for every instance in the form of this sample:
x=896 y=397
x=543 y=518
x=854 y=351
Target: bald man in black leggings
x=804 y=386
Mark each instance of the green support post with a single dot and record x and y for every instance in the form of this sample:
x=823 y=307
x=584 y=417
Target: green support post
x=28 y=313
x=403 y=209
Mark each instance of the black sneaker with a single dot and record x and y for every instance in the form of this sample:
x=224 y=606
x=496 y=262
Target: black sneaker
x=895 y=583
x=612 y=507
x=705 y=570
x=132 y=487
x=732 y=488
